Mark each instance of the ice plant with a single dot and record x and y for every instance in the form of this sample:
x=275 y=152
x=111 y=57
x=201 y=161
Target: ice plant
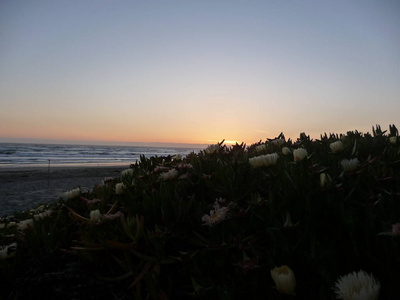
x=119 y=188
x=217 y=215
x=171 y=174
x=261 y=148
x=25 y=224
x=299 y=154
x=72 y=193
x=357 y=286
x=349 y=164
x=286 y=151
x=42 y=215
x=177 y=157
x=95 y=215
x=323 y=179
x=278 y=142
x=4 y=252
x=127 y=172
x=336 y=146
x=212 y=148
x=264 y=160
x=284 y=280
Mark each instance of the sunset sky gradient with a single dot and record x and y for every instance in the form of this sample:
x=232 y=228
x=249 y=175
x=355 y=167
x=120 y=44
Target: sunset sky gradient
x=196 y=71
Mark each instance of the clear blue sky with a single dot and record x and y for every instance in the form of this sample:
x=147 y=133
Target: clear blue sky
x=196 y=71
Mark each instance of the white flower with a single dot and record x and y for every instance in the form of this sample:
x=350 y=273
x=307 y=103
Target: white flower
x=264 y=160
x=217 y=215
x=278 y=142
x=4 y=251
x=270 y=159
x=286 y=151
x=261 y=148
x=169 y=175
x=72 y=193
x=42 y=215
x=12 y=223
x=299 y=154
x=336 y=146
x=23 y=225
x=323 y=179
x=349 y=165
x=257 y=161
x=127 y=172
x=119 y=188
x=357 y=286
x=177 y=157
x=2 y=225
x=393 y=140
x=95 y=215
x=284 y=279
x=212 y=148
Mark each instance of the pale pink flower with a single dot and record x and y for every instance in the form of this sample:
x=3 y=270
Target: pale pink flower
x=25 y=224
x=217 y=215
x=171 y=174
x=117 y=215
x=396 y=229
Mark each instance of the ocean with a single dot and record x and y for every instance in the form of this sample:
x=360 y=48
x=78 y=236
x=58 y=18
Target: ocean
x=33 y=174
x=44 y=155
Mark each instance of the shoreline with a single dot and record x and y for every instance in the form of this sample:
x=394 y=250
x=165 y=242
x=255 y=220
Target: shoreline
x=22 y=167
x=26 y=187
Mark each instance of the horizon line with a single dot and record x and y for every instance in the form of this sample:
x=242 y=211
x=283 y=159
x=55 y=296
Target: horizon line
x=99 y=143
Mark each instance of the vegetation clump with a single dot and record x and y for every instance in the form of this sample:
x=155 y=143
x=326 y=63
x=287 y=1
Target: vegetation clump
x=276 y=219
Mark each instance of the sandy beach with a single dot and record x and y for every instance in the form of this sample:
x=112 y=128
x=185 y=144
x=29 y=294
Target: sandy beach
x=23 y=188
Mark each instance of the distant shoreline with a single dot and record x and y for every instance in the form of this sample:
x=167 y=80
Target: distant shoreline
x=45 y=166
x=23 y=188
x=101 y=143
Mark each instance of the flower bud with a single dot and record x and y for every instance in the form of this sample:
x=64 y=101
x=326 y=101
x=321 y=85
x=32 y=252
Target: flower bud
x=284 y=279
x=336 y=146
x=286 y=151
x=95 y=215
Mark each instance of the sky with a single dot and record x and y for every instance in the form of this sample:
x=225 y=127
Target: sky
x=196 y=72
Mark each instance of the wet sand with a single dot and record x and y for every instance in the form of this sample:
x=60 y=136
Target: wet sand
x=24 y=188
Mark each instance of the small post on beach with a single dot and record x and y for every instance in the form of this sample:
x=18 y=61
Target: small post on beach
x=48 y=175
